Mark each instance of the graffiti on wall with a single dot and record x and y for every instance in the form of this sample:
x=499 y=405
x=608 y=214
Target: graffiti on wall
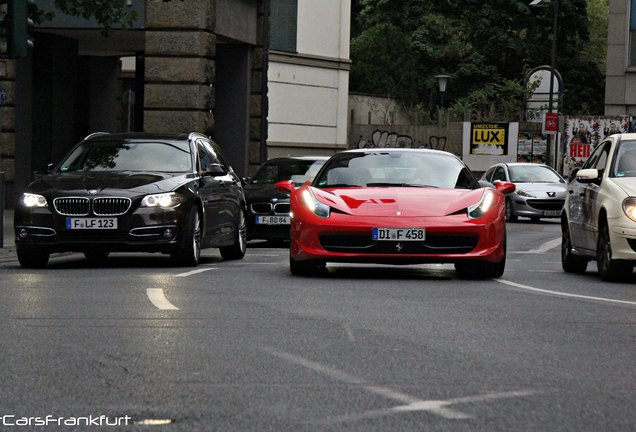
x=386 y=139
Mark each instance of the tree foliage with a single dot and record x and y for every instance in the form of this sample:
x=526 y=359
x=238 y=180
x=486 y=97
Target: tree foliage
x=488 y=48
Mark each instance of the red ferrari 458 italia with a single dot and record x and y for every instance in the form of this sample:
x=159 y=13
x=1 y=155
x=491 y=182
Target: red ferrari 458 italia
x=398 y=206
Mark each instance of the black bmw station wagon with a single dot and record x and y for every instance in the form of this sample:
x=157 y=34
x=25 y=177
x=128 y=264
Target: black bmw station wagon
x=138 y=192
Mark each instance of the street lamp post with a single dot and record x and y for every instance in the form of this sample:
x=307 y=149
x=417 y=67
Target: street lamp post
x=442 y=80
x=555 y=15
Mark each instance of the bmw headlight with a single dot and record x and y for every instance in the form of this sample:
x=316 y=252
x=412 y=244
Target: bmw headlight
x=33 y=200
x=524 y=193
x=481 y=208
x=629 y=207
x=163 y=200
x=316 y=207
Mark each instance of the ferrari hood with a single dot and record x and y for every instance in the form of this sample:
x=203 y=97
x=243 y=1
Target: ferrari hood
x=406 y=201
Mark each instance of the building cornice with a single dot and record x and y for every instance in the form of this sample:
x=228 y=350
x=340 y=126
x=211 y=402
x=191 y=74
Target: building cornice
x=309 y=60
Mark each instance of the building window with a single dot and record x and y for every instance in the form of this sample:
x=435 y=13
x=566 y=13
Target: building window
x=632 y=34
x=284 y=18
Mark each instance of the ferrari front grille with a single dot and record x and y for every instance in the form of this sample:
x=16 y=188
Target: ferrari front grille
x=437 y=244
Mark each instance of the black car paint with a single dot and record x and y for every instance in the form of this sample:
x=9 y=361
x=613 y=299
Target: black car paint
x=217 y=194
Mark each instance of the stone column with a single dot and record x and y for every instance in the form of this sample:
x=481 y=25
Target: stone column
x=179 y=66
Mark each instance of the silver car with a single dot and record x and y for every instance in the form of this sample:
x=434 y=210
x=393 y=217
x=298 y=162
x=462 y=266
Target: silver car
x=540 y=191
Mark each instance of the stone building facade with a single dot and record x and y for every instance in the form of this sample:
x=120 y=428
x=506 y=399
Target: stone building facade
x=198 y=65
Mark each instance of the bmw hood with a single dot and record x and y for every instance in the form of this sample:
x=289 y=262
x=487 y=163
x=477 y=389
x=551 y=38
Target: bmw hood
x=408 y=201
x=81 y=182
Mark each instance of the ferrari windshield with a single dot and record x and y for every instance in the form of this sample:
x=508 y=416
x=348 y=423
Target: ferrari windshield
x=395 y=168
x=157 y=156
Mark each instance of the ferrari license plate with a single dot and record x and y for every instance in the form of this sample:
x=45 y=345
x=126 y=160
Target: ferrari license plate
x=401 y=234
x=272 y=220
x=91 y=223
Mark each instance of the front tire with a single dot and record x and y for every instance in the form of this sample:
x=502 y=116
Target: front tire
x=482 y=269
x=237 y=250
x=570 y=262
x=510 y=212
x=609 y=269
x=188 y=250
x=32 y=258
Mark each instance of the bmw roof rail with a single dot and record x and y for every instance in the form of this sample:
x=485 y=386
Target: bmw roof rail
x=94 y=134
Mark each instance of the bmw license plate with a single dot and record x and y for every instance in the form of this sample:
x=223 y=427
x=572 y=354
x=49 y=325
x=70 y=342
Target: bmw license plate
x=272 y=220
x=401 y=234
x=91 y=223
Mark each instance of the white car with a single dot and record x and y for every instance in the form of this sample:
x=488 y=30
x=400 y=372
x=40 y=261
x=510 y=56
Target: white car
x=599 y=217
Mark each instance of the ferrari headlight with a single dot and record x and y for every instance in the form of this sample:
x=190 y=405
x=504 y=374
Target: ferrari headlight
x=316 y=207
x=481 y=208
x=164 y=200
x=629 y=207
x=33 y=200
x=524 y=194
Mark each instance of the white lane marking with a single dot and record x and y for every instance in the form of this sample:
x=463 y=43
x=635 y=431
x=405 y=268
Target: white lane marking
x=563 y=294
x=197 y=271
x=158 y=298
x=543 y=248
x=411 y=403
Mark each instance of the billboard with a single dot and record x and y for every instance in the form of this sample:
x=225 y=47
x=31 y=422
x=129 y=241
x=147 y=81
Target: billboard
x=583 y=134
x=489 y=139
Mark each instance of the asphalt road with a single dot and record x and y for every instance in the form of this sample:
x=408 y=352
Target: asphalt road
x=244 y=346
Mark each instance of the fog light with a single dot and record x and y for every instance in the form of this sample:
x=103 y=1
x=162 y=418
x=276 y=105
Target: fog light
x=23 y=233
x=167 y=233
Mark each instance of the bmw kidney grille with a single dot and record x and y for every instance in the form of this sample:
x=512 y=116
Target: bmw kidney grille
x=102 y=206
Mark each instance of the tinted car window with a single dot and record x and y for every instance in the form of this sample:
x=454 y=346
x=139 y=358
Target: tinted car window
x=499 y=174
x=275 y=171
x=129 y=156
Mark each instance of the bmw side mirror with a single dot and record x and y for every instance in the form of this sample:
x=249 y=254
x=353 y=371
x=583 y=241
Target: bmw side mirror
x=215 y=170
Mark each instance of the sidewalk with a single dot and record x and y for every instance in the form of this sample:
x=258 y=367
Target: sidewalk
x=7 y=252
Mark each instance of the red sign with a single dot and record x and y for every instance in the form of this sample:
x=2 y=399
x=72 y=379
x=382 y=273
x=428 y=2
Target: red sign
x=551 y=125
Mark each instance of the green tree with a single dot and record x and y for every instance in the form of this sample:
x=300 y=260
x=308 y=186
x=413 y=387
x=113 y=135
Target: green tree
x=487 y=48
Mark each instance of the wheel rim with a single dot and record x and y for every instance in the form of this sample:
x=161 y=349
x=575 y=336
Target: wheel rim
x=565 y=244
x=196 y=236
x=242 y=234
x=604 y=249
